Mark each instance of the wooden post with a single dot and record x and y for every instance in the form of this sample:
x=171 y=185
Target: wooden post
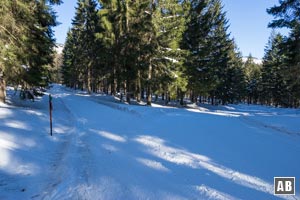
x=50 y=112
x=2 y=87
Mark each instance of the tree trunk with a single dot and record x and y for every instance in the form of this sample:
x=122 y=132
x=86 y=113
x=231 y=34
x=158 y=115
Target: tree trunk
x=138 y=87
x=142 y=93
x=212 y=97
x=114 y=81
x=181 y=98
x=128 y=92
x=166 y=94
x=89 y=79
x=192 y=97
x=149 y=85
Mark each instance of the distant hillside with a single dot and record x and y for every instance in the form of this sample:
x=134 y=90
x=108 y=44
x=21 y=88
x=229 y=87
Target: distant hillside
x=256 y=60
x=59 y=48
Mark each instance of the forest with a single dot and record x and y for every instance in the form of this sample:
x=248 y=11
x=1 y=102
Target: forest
x=146 y=49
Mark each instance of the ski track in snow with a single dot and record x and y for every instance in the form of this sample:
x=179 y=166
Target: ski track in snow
x=78 y=150
x=248 y=117
x=108 y=152
x=260 y=124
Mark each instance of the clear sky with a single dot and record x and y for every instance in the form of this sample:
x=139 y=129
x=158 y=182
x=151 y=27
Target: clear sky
x=65 y=13
x=248 y=22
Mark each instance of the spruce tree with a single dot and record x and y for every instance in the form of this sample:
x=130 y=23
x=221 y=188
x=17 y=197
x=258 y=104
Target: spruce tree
x=169 y=21
x=291 y=69
x=75 y=46
x=196 y=41
x=89 y=44
x=221 y=47
x=253 y=80
x=155 y=46
x=81 y=49
x=12 y=39
x=68 y=58
x=40 y=45
x=26 y=42
x=213 y=66
x=233 y=85
x=287 y=14
x=112 y=36
x=135 y=46
x=274 y=86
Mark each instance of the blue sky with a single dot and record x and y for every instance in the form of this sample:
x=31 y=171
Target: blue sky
x=248 y=22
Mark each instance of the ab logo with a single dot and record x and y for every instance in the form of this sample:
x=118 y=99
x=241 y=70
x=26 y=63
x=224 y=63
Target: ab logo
x=284 y=185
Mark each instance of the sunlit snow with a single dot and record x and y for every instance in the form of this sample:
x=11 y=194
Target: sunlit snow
x=102 y=149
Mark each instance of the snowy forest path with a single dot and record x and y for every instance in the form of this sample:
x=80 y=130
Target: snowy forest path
x=88 y=155
x=99 y=163
x=119 y=151
x=75 y=152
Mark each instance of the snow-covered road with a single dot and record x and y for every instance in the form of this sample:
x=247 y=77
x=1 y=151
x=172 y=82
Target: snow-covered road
x=104 y=150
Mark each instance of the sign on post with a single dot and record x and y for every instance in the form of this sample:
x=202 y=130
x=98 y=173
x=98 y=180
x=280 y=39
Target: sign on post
x=50 y=112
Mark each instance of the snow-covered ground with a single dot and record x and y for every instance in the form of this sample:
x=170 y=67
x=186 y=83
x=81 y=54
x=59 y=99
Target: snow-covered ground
x=105 y=150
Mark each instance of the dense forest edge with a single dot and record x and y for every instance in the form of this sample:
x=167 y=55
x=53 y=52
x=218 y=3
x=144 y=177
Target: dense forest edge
x=147 y=49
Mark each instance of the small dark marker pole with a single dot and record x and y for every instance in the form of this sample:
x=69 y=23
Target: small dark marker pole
x=50 y=111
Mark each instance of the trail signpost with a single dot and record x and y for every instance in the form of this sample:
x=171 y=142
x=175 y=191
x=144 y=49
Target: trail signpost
x=50 y=112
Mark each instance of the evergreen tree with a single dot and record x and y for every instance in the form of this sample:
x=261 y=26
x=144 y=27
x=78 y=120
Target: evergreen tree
x=253 y=80
x=233 y=87
x=73 y=51
x=81 y=49
x=141 y=48
x=106 y=40
x=287 y=14
x=112 y=37
x=291 y=69
x=222 y=56
x=90 y=46
x=169 y=22
x=55 y=72
x=40 y=45
x=26 y=41
x=136 y=46
x=274 y=86
x=68 y=71
x=162 y=47
x=196 y=42
x=213 y=65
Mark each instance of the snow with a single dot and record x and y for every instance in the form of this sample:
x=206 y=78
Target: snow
x=102 y=149
x=171 y=59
